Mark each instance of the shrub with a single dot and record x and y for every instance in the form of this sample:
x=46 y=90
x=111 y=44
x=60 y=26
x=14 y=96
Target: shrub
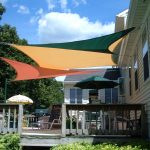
x=104 y=146
x=74 y=146
x=10 y=142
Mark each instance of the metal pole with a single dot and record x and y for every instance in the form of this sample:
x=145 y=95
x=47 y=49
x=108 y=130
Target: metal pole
x=5 y=92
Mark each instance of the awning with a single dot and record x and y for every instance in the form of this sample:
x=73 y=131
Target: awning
x=78 y=54
x=27 y=72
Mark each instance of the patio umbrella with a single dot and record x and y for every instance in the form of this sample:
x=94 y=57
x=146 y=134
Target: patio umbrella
x=96 y=82
x=19 y=99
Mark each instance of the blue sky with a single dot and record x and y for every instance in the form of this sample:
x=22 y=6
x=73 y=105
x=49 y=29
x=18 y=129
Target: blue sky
x=49 y=21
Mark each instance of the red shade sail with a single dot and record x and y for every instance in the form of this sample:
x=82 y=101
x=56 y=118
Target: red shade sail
x=27 y=72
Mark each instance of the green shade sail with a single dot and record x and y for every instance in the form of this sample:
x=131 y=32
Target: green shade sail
x=100 y=44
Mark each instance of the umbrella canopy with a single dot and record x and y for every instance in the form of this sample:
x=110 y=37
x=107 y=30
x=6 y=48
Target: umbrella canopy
x=19 y=99
x=96 y=82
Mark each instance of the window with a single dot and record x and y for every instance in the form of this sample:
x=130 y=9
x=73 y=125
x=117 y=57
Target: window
x=130 y=85
x=145 y=55
x=111 y=96
x=135 y=71
x=108 y=96
x=79 y=95
x=72 y=96
x=114 y=95
x=75 y=96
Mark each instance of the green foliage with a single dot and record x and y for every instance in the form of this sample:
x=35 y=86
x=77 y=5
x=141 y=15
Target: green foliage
x=74 y=146
x=10 y=142
x=2 y=10
x=139 y=145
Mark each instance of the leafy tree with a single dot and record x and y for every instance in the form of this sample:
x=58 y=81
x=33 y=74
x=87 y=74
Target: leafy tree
x=2 y=10
x=43 y=92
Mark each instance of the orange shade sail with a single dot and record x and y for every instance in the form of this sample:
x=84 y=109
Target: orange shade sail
x=28 y=72
x=65 y=59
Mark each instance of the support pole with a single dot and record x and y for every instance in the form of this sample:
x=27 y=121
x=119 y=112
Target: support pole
x=5 y=92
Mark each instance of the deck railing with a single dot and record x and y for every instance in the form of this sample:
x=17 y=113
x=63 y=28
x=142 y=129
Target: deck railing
x=80 y=119
x=103 y=119
x=11 y=118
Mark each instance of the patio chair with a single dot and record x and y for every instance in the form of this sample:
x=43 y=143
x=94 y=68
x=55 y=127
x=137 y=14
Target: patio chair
x=42 y=123
x=55 y=118
x=49 y=122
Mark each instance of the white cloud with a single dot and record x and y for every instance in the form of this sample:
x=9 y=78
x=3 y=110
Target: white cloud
x=78 y=2
x=34 y=19
x=3 y=1
x=23 y=9
x=38 y=14
x=51 y=4
x=62 y=27
x=63 y=5
x=40 y=11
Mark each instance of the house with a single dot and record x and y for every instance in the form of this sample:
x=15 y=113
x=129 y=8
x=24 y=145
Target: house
x=74 y=95
x=134 y=57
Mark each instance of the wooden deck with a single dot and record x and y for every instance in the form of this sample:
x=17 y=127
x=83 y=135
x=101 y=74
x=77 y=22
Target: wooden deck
x=90 y=123
x=29 y=130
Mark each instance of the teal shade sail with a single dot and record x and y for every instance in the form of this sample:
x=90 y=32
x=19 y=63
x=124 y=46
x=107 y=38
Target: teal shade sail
x=100 y=44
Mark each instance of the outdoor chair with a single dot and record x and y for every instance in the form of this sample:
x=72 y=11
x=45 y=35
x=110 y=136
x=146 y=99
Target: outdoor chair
x=56 y=123
x=42 y=123
x=55 y=118
x=49 y=122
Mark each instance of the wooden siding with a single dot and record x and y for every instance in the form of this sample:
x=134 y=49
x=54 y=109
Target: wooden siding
x=142 y=94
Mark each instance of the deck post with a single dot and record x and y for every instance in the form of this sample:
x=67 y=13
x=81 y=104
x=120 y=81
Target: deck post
x=8 y=121
x=143 y=122
x=63 y=126
x=83 y=122
x=20 y=118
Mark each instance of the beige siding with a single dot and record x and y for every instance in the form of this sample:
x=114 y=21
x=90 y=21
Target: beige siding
x=142 y=95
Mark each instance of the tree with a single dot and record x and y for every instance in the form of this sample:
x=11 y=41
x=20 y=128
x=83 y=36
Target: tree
x=2 y=10
x=43 y=92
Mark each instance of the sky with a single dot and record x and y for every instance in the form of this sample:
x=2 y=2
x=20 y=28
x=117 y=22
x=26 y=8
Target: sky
x=54 y=21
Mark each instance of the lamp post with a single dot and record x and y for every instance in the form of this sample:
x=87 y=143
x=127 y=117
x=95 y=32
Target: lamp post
x=5 y=90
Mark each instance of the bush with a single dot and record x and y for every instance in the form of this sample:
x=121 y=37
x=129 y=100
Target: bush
x=74 y=146
x=104 y=146
x=10 y=142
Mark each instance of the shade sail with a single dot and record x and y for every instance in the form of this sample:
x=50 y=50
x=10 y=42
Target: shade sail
x=78 y=54
x=104 y=44
x=65 y=59
x=96 y=82
x=19 y=99
x=27 y=72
